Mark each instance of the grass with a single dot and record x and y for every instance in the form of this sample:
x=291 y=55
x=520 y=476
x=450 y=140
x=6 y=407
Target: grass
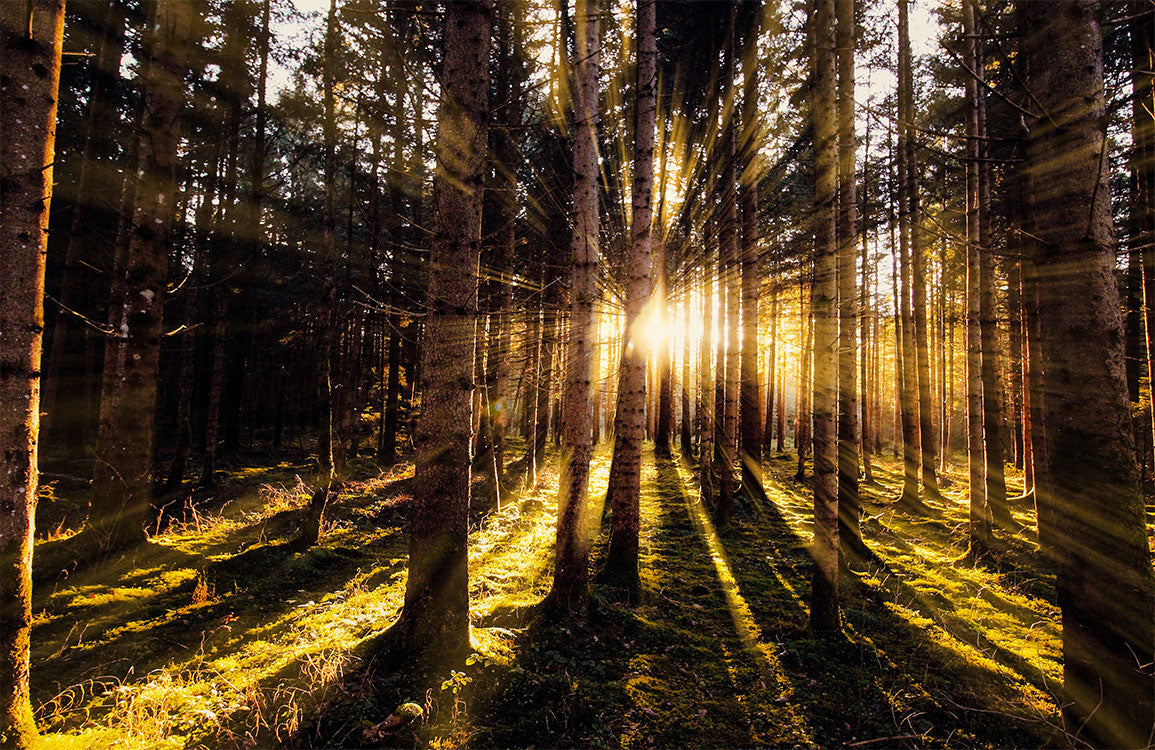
x=216 y=633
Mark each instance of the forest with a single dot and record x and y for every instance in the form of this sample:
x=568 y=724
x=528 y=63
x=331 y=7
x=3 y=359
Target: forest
x=577 y=373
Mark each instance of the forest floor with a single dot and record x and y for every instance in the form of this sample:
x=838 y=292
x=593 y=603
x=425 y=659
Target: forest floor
x=217 y=633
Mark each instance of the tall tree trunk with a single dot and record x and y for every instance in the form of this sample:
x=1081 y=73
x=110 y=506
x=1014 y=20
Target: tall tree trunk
x=706 y=386
x=824 y=615
x=1104 y=581
x=686 y=437
x=67 y=392
x=771 y=370
x=435 y=619
x=571 y=562
x=30 y=46
x=750 y=405
x=911 y=423
x=728 y=356
x=979 y=527
x=996 y=491
x=849 y=503
x=328 y=337
x=122 y=485
x=918 y=283
x=625 y=474
x=1143 y=165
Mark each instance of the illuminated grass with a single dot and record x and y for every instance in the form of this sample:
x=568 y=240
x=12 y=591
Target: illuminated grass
x=217 y=634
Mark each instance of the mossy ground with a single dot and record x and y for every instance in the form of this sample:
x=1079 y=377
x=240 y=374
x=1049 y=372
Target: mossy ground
x=217 y=633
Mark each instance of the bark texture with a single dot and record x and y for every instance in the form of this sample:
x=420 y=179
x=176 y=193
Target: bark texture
x=29 y=78
x=824 y=615
x=122 y=485
x=1104 y=577
x=625 y=479
x=571 y=561
x=435 y=618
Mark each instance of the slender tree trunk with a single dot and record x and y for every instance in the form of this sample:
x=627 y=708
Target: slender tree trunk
x=980 y=522
x=686 y=438
x=122 y=486
x=328 y=336
x=625 y=474
x=772 y=384
x=571 y=562
x=31 y=36
x=1104 y=577
x=435 y=619
x=750 y=405
x=824 y=614
x=1143 y=165
x=729 y=356
x=706 y=387
x=849 y=503
x=67 y=391
x=911 y=272
x=996 y=492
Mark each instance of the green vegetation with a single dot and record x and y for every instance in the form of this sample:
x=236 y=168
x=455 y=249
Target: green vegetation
x=217 y=633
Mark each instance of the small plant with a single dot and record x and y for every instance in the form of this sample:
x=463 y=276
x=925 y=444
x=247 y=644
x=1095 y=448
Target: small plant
x=203 y=592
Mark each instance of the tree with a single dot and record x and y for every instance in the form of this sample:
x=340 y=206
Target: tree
x=122 y=485
x=571 y=562
x=824 y=615
x=750 y=405
x=908 y=387
x=979 y=527
x=1104 y=578
x=435 y=618
x=625 y=474
x=326 y=330
x=31 y=36
x=849 y=504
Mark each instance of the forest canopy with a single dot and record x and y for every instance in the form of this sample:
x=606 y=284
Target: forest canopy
x=577 y=373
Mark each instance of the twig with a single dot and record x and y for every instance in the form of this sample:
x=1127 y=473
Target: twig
x=876 y=740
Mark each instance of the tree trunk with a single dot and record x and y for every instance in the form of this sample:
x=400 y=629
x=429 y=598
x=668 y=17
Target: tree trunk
x=30 y=47
x=625 y=475
x=996 y=490
x=571 y=562
x=849 y=504
x=824 y=615
x=122 y=486
x=911 y=424
x=435 y=618
x=328 y=337
x=1104 y=578
x=729 y=356
x=979 y=527
x=750 y=405
x=67 y=392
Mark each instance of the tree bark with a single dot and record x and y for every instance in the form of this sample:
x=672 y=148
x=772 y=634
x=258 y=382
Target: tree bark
x=910 y=403
x=1104 y=578
x=122 y=486
x=750 y=404
x=435 y=618
x=824 y=614
x=625 y=475
x=849 y=503
x=979 y=526
x=91 y=243
x=571 y=563
x=30 y=48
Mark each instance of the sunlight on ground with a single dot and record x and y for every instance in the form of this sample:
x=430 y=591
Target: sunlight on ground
x=252 y=671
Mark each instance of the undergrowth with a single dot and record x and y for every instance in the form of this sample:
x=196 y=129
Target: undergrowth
x=218 y=633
